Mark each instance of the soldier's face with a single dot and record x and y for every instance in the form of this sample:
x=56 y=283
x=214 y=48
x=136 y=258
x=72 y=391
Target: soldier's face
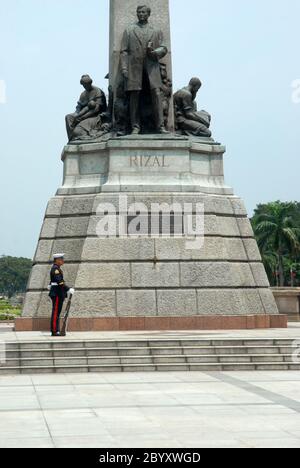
x=60 y=262
x=143 y=15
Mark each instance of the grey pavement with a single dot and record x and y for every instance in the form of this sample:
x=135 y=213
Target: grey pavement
x=232 y=409
x=292 y=332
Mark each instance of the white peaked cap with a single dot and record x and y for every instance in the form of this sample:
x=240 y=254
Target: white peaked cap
x=59 y=255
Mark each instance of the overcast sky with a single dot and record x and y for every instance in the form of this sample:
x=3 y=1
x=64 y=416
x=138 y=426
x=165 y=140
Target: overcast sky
x=246 y=53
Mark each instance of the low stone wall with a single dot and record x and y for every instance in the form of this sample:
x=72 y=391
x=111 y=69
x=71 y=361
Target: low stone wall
x=212 y=322
x=288 y=302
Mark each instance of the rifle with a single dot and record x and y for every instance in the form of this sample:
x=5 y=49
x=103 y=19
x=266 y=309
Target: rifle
x=66 y=317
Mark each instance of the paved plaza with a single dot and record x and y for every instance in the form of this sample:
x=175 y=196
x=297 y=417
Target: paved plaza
x=169 y=409
x=235 y=409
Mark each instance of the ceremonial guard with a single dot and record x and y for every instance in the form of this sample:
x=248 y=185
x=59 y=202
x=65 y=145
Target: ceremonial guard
x=58 y=292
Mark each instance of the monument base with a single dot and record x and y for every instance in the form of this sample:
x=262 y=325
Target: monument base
x=144 y=163
x=150 y=282
x=216 y=322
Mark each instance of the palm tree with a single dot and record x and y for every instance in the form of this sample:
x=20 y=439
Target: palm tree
x=276 y=231
x=270 y=261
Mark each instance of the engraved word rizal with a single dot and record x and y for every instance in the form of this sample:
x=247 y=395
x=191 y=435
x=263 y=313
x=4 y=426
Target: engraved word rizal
x=149 y=161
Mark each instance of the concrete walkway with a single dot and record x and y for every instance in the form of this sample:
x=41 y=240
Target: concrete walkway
x=233 y=409
x=292 y=332
x=254 y=409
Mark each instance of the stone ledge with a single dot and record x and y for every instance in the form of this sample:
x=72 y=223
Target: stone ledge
x=141 y=165
x=288 y=291
x=213 y=205
x=246 y=322
x=70 y=227
x=170 y=141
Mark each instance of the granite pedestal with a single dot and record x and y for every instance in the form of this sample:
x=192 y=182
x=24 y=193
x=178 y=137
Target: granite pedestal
x=139 y=283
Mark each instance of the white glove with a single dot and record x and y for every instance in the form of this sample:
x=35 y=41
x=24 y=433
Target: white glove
x=49 y=287
x=71 y=292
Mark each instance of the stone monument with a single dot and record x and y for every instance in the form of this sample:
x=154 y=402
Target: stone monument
x=154 y=238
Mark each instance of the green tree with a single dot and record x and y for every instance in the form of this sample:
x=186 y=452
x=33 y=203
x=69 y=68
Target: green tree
x=14 y=273
x=277 y=229
x=270 y=262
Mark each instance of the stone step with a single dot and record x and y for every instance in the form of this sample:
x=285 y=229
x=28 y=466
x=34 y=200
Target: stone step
x=167 y=367
x=141 y=351
x=62 y=343
x=63 y=355
x=148 y=359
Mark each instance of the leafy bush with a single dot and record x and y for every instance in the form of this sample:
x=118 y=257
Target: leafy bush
x=7 y=312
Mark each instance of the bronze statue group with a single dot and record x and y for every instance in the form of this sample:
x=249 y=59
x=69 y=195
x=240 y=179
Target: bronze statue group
x=140 y=99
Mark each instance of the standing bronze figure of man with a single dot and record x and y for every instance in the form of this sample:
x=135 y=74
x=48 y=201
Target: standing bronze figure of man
x=141 y=50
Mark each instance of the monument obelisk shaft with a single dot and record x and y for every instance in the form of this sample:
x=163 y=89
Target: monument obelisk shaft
x=122 y=15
